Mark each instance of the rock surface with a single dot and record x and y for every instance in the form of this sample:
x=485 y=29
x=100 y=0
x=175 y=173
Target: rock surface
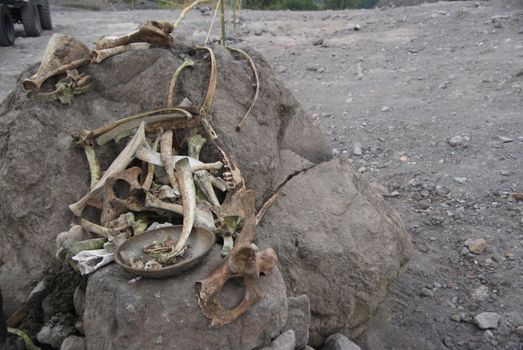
x=487 y=320
x=164 y=313
x=299 y=319
x=285 y=341
x=74 y=343
x=35 y=135
x=339 y=342
x=338 y=242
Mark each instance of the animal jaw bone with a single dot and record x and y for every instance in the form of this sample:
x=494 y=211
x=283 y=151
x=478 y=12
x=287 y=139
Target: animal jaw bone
x=97 y=56
x=120 y=163
x=243 y=261
x=153 y=32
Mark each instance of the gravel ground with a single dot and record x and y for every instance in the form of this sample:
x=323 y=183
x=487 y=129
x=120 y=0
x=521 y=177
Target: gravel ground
x=428 y=101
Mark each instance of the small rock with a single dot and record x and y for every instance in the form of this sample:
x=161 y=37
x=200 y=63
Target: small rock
x=505 y=172
x=476 y=246
x=519 y=330
x=54 y=332
x=285 y=341
x=444 y=85
x=505 y=139
x=298 y=319
x=338 y=341
x=357 y=149
x=258 y=32
x=481 y=293
x=385 y=108
x=459 y=140
x=460 y=180
x=455 y=317
x=425 y=292
x=487 y=320
x=357 y=27
x=73 y=342
x=317 y=42
x=281 y=69
x=362 y=169
x=311 y=69
x=442 y=191
x=394 y=194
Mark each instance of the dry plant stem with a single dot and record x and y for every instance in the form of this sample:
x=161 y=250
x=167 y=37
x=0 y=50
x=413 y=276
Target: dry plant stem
x=222 y=22
x=150 y=166
x=184 y=13
x=147 y=155
x=257 y=79
x=27 y=340
x=97 y=56
x=147 y=116
x=120 y=163
x=207 y=38
x=166 y=153
x=268 y=203
x=211 y=89
x=203 y=218
x=170 y=96
x=178 y=119
x=98 y=230
x=94 y=164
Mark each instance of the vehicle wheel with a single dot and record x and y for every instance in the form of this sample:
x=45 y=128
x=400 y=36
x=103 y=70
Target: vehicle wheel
x=45 y=15
x=31 y=20
x=7 y=27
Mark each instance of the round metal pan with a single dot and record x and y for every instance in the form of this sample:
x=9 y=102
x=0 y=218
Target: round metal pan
x=200 y=242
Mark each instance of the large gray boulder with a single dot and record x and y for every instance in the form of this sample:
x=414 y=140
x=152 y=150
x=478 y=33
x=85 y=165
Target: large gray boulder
x=42 y=172
x=338 y=242
x=164 y=314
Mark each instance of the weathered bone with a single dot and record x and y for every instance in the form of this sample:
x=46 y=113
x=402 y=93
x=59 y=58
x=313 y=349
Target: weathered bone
x=63 y=53
x=149 y=156
x=150 y=167
x=202 y=178
x=97 y=56
x=203 y=217
x=114 y=206
x=155 y=33
x=100 y=231
x=120 y=163
x=243 y=261
x=166 y=152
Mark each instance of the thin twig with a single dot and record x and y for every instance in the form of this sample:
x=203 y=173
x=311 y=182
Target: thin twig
x=222 y=21
x=184 y=13
x=268 y=203
x=256 y=93
x=207 y=103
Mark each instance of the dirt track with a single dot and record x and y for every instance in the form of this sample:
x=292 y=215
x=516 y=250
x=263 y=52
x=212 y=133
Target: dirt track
x=401 y=86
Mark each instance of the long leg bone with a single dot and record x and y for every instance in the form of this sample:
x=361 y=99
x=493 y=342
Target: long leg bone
x=149 y=156
x=243 y=261
x=156 y=33
x=120 y=163
x=188 y=192
x=97 y=56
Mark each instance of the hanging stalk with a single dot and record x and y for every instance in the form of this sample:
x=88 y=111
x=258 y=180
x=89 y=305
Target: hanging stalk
x=184 y=13
x=257 y=91
x=212 y=22
x=222 y=21
x=213 y=80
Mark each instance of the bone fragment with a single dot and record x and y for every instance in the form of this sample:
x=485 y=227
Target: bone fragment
x=149 y=156
x=202 y=178
x=120 y=163
x=263 y=210
x=150 y=166
x=166 y=152
x=98 y=230
x=153 y=32
x=91 y=260
x=97 y=56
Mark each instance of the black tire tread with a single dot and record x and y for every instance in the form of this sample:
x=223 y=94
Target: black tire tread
x=31 y=20
x=7 y=35
x=45 y=15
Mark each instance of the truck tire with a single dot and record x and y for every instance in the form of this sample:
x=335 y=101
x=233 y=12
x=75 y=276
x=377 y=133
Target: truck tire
x=7 y=27
x=45 y=15
x=31 y=20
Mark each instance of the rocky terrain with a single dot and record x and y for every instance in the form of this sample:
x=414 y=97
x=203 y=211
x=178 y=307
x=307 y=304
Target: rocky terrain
x=427 y=100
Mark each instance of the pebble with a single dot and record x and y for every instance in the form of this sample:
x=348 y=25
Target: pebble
x=385 y=108
x=476 y=246
x=394 y=194
x=505 y=172
x=357 y=149
x=459 y=140
x=362 y=169
x=317 y=42
x=442 y=191
x=425 y=292
x=481 y=293
x=487 y=320
x=519 y=330
x=357 y=27
x=505 y=139
x=455 y=317
x=460 y=180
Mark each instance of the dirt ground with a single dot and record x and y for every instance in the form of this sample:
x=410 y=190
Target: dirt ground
x=392 y=96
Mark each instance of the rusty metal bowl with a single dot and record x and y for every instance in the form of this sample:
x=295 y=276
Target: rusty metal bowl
x=200 y=242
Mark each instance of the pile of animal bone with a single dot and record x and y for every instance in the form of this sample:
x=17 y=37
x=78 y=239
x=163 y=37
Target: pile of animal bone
x=157 y=179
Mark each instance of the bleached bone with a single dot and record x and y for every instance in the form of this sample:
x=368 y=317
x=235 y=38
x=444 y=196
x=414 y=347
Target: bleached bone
x=203 y=218
x=202 y=178
x=153 y=32
x=114 y=206
x=97 y=56
x=63 y=53
x=91 y=260
x=149 y=156
x=120 y=163
x=166 y=152
x=188 y=192
x=76 y=233
x=243 y=262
